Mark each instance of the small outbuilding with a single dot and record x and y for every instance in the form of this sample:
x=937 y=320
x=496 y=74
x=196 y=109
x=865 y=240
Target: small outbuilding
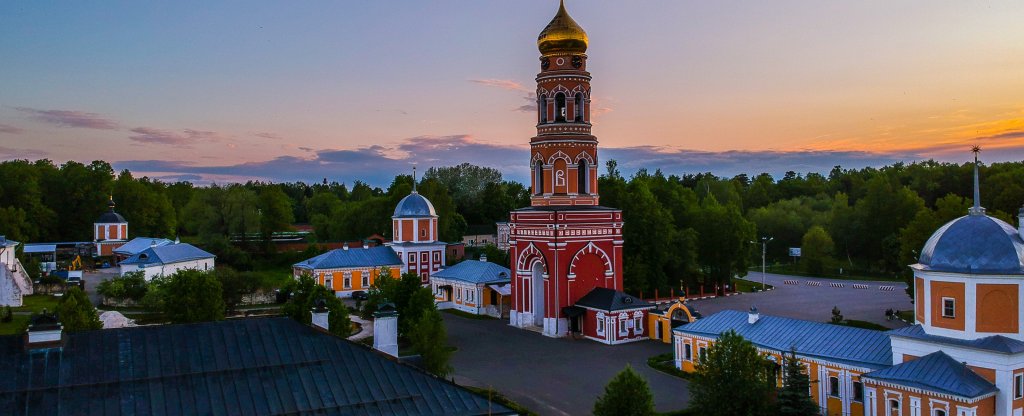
x=609 y=316
x=165 y=260
x=474 y=286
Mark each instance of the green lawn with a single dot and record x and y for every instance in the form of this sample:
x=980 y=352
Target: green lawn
x=16 y=326
x=666 y=364
x=749 y=286
x=36 y=303
x=862 y=324
x=496 y=397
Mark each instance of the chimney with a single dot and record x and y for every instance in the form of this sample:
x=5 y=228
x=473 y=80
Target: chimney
x=385 y=329
x=320 y=314
x=1020 y=222
x=753 y=316
x=366 y=245
x=44 y=331
x=483 y=257
x=345 y=247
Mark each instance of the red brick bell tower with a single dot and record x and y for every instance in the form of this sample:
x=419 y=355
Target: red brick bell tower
x=564 y=245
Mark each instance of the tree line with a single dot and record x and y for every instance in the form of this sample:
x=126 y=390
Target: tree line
x=682 y=231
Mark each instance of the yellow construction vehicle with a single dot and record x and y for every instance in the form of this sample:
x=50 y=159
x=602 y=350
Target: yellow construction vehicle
x=75 y=264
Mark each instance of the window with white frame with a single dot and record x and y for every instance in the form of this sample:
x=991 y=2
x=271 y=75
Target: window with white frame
x=687 y=352
x=948 y=308
x=328 y=282
x=638 y=325
x=458 y=295
x=702 y=352
x=894 y=407
x=833 y=386
x=623 y=328
x=938 y=412
x=858 y=391
x=348 y=280
x=1018 y=386
x=600 y=325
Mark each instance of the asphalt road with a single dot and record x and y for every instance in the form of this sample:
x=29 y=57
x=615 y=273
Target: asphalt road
x=814 y=303
x=552 y=376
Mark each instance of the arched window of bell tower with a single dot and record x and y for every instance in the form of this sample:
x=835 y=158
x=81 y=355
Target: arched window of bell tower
x=560 y=109
x=579 y=107
x=542 y=108
x=538 y=178
x=583 y=178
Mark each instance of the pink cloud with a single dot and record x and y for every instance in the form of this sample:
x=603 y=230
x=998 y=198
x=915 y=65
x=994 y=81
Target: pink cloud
x=11 y=153
x=185 y=138
x=9 y=129
x=70 y=118
x=505 y=84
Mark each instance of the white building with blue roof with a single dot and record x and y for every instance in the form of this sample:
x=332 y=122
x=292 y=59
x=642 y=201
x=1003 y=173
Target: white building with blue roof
x=474 y=286
x=165 y=260
x=963 y=356
x=138 y=245
x=14 y=283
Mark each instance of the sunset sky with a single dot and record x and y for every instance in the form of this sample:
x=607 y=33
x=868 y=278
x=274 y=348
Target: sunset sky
x=233 y=90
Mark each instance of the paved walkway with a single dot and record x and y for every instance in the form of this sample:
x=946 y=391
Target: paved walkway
x=552 y=376
x=812 y=299
x=367 y=328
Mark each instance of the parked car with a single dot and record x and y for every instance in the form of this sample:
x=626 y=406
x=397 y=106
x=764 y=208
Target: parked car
x=360 y=295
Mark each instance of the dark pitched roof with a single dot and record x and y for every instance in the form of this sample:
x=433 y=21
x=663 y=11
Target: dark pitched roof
x=477 y=272
x=168 y=254
x=353 y=257
x=840 y=344
x=110 y=217
x=936 y=372
x=995 y=343
x=245 y=366
x=611 y=300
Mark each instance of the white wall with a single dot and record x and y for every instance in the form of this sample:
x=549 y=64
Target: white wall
x=168 y=269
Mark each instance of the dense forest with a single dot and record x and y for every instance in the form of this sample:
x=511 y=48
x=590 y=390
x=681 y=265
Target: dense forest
x=681 y=230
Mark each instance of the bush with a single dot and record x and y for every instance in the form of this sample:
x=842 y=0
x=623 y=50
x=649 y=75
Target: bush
x=76 y=312
x=131 y=286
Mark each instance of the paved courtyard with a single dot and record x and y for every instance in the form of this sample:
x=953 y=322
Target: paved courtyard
x=552 y=376
x=814 y=303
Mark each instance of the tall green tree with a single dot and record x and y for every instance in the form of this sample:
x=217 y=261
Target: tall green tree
x=275 y=211
x=627 y=394
x=76 y=312
x=192 y=296
x=794 y=398
x=816 y=250
x=732 y=365
x=430 y=340
x=305 y=293
x=725 y=237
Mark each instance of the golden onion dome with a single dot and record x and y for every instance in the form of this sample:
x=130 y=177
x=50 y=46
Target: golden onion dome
x=562 y=36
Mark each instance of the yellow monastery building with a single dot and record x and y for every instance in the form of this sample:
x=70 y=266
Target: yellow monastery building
x=964 y=355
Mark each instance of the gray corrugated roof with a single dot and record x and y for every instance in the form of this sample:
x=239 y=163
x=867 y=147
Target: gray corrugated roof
x=138 y=244
x=245 y=366
x=976 y=244
x=841 y=344
x=173 y=253
x=353 y=257
x=996 y=343
x=611 y=300
x=415 y=205
x=936 y=372
x=475 y=271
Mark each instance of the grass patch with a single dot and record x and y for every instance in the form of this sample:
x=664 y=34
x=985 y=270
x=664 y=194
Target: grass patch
x=36 y=303
x=749 y=286
x=907 y=315
x=861 y=324
x=666 y=364
x=828 y=274
x=16 y=326
x=467 y=315
x=498 y=398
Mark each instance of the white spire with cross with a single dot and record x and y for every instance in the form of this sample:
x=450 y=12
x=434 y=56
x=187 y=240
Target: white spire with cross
x=977 y=209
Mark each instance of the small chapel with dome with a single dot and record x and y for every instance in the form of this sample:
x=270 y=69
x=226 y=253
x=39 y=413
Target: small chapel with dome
x=963 y=356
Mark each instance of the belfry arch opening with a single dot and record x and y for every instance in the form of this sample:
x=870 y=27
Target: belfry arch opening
x=583 y=178
x=542 y=108
x=579 y=107
x=560 y=109
x=538 y=178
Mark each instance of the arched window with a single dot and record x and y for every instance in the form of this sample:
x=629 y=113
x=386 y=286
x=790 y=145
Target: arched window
x=538 y=178
x=579 y=107
x=542 y=107
x=583 y=178
x=560 y=109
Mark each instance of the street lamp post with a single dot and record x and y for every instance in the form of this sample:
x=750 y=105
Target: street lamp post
x=764 y=252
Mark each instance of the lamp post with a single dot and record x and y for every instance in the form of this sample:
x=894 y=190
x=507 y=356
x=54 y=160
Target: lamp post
x=764 y=252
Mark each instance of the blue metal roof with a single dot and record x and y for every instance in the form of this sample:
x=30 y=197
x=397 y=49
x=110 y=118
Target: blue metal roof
x=38 y=248
x=415 y=205
x=936 y=372
x=477 y=272
x=976 y=244
x=255 y=366
x=840 y=344
x=995 y=343
x=173 y=253
x=353 y=257
x=4 y=242
x=138 y=244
